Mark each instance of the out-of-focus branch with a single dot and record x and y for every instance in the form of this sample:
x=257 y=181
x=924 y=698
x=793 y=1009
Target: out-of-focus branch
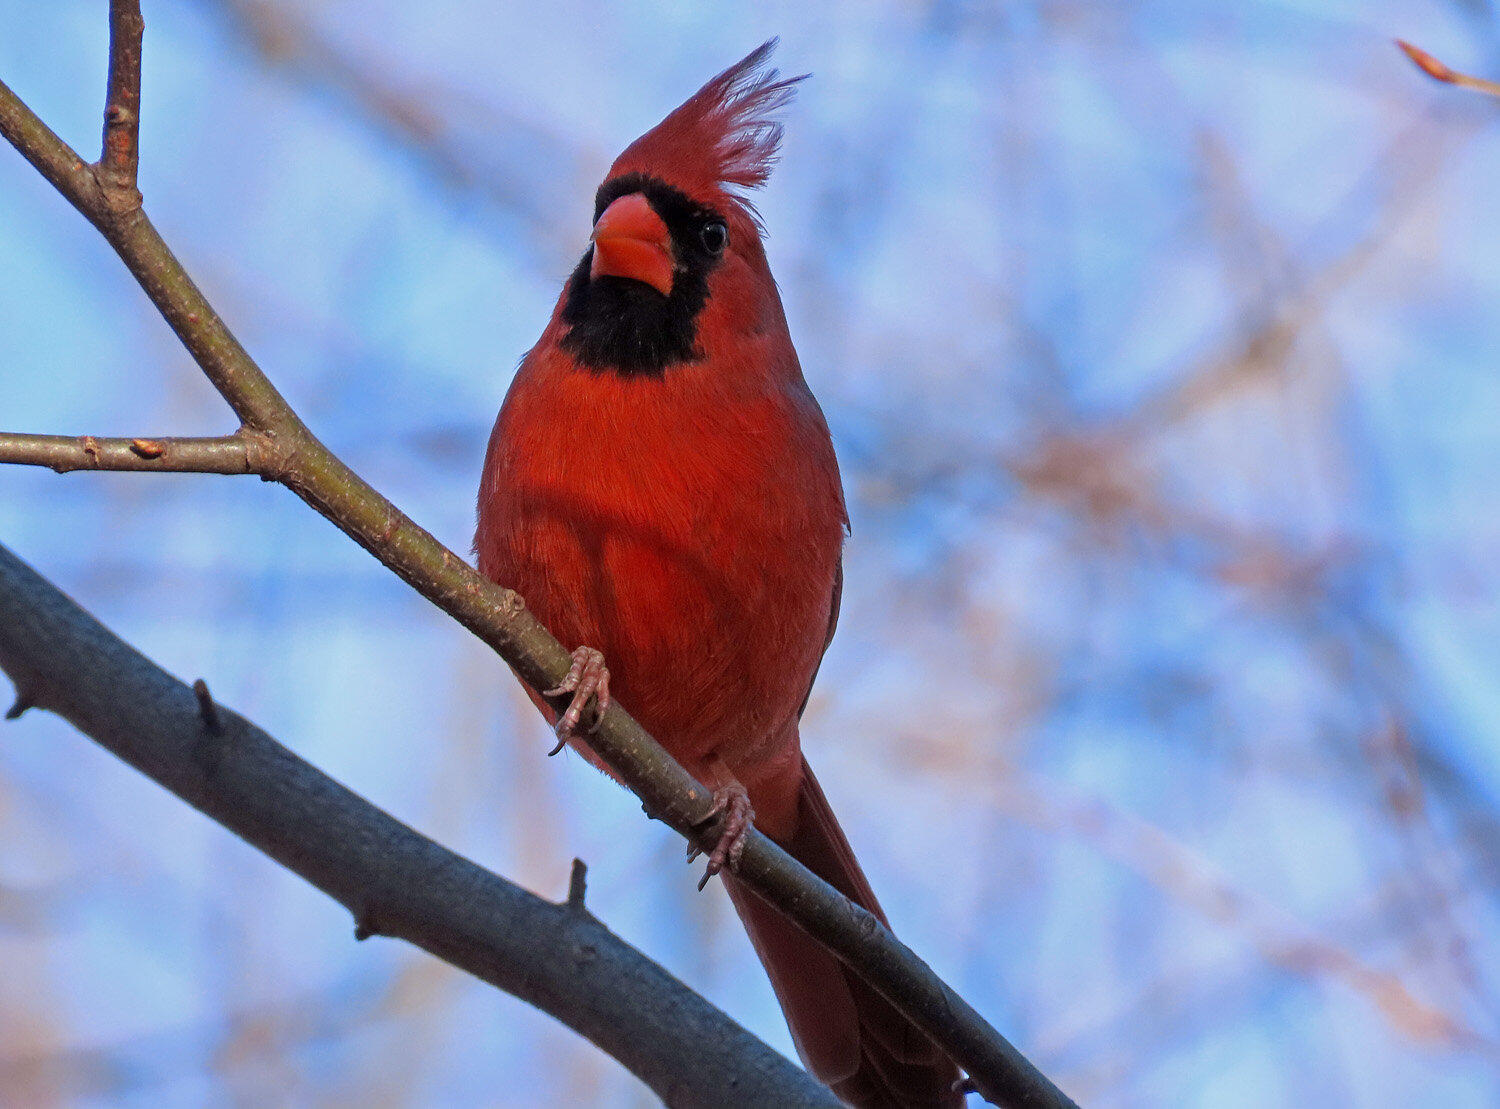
x=287 y=42
x=499 y=617
x=1440 y=72
x=394 y=881
x=1189 y=877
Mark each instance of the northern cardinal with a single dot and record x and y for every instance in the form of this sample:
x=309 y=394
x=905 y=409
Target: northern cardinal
x=661 y=487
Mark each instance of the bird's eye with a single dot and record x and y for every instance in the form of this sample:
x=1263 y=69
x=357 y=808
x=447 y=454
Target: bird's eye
x=715 y=236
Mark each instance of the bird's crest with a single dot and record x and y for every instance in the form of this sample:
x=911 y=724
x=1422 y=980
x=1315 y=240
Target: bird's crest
x=724 y=137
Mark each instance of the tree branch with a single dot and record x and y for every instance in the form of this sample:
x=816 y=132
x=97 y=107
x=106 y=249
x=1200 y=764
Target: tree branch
x=498 y=617
x=1440 y=71
x=122 y=103
x=394 y=881
x=244 y=452
x=54 y=159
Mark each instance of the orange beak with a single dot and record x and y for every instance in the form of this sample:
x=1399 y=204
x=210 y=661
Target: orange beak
x=630 y=240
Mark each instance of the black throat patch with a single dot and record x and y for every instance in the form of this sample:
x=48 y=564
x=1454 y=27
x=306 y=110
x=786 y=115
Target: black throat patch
x=617 y=325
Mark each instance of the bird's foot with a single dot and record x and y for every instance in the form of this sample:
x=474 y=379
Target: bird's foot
x=587 y=678
x=733 y=804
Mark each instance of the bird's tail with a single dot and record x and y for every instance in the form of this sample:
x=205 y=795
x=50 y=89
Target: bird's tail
x=849 y=1037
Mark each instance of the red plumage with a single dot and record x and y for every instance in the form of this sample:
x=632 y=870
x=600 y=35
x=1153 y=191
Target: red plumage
x=661 y=486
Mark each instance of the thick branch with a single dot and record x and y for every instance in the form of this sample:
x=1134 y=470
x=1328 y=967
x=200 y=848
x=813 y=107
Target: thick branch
x=499 y=618
x=245 y=452
x=395 y=882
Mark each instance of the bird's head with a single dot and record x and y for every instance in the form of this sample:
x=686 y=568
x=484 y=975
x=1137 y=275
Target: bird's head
x=675 y=258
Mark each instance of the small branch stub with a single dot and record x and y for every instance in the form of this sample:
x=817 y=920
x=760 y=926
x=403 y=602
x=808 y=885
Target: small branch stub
x=208 y=712
x=364 y=925
x=578 y=885
x=22 y=703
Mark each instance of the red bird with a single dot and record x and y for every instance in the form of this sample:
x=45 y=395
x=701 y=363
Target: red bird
x=661 y=488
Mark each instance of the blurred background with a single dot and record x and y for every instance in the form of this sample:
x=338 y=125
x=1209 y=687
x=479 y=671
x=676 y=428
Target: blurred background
x=1159 y=342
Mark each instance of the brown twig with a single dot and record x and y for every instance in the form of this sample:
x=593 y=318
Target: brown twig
x=120 y=153
x=1438 y=71
x=498 y=617
x=244 y=452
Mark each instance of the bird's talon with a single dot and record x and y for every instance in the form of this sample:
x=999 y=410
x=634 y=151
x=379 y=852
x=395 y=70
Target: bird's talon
x=733 y=803
x=587 y=678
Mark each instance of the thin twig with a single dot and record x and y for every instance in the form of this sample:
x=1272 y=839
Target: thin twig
x=207 y=338
x=122 y=106
x=1438 y=71
x=244 y=452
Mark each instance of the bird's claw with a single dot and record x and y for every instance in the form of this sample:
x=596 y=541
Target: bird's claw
x=733 y=804
x=587 y=678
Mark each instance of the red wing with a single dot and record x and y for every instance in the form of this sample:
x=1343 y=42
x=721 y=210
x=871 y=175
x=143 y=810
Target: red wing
x=833 y=623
